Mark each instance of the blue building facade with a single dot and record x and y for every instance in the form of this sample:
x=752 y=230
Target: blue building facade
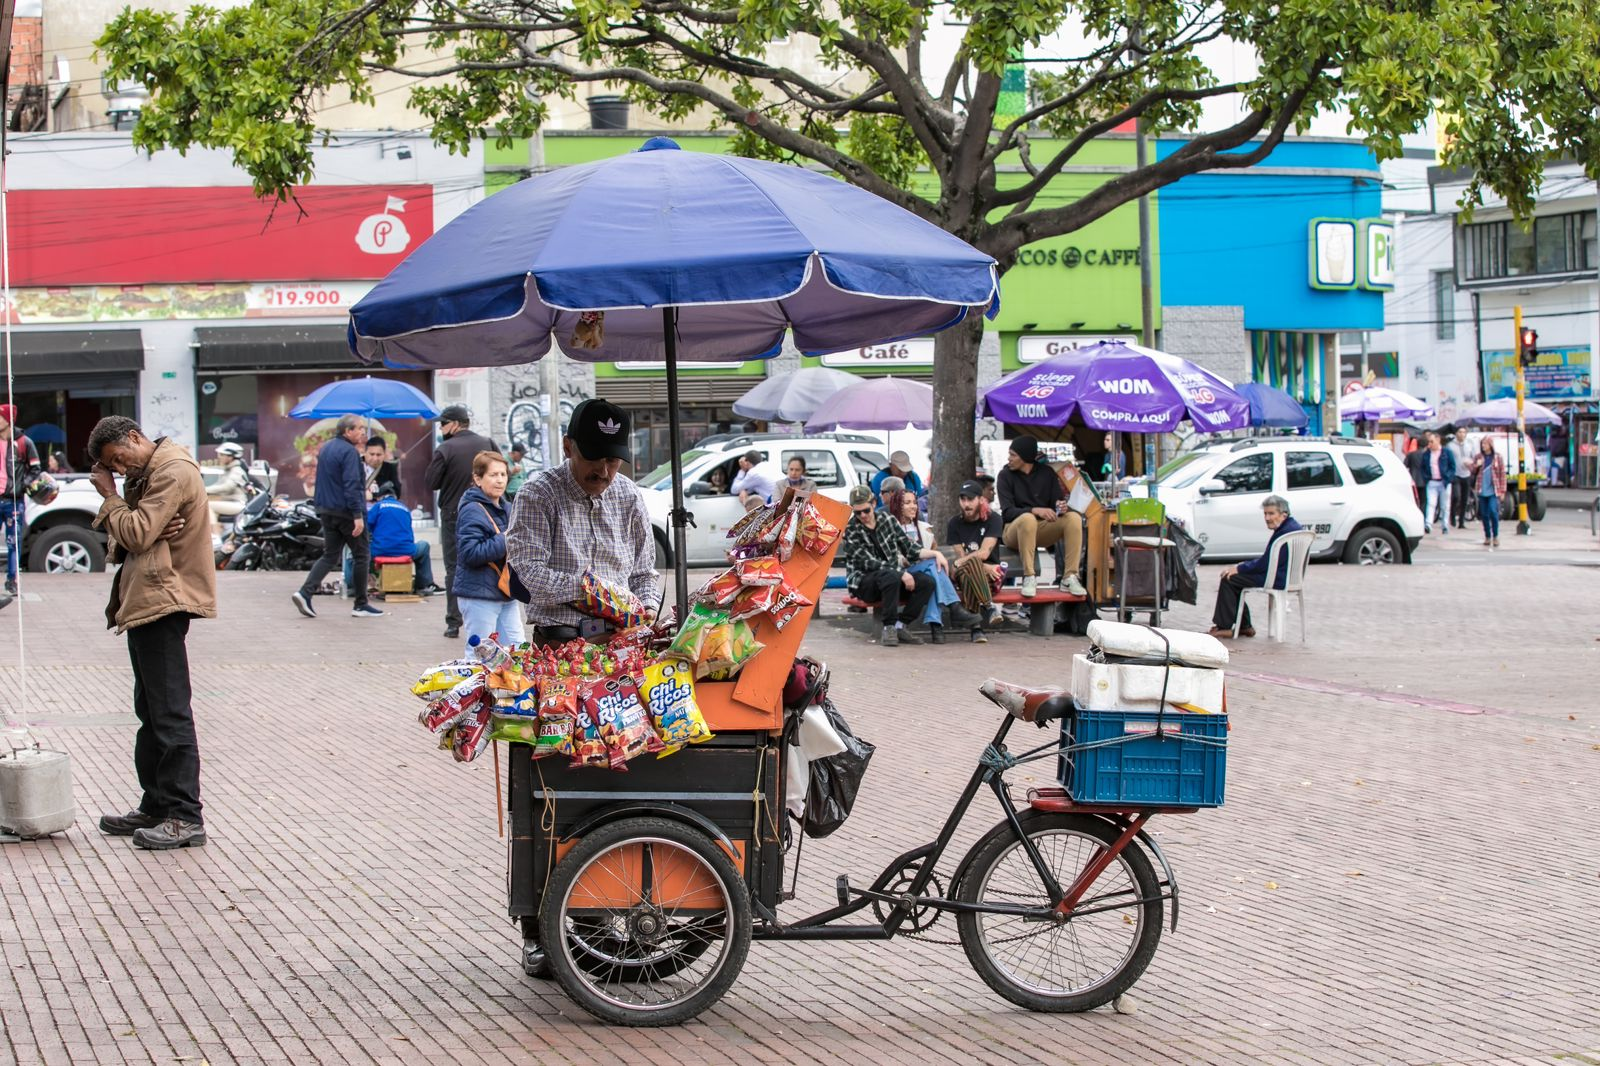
x=1263 y=268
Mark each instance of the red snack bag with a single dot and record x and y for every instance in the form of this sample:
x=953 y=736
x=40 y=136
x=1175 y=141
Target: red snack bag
x=763 y=570
x=472 y=735
x=789 y=602
x=753 y=601
x=788 y=531
x=623 y=723
x=455 y=705
x=591 y=691
x=721 y=589
x=558 y=716
x=817 y=534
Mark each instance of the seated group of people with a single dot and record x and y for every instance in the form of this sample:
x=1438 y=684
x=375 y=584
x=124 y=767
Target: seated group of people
x=891 y=557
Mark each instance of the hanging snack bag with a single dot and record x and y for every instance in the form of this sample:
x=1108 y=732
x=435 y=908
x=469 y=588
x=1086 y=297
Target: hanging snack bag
x=453 y=706
x=788 y=531
x=761 y=570
x=669 y=690
x=624 y=726
x=721 y=589
x=514 y=729
x=589 y=743
x=817 y=534
x=608 y=601
x=687 y=644
x=747 y=529
x=753 y=601
x=444 y=677
x=472 y=735
x=788 y=605
x=558 y=716
x=727 y=648
x=508 y=683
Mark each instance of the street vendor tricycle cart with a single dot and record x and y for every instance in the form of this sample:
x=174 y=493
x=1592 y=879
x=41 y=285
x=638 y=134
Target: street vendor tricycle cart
x=641 y=892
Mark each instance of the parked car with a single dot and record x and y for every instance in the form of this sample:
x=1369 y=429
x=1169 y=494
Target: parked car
x=59 y=537
x=1356 y=497
x=835 y=461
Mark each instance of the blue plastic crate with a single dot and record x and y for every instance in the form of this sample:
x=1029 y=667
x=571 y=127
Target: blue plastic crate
x=1127 y=762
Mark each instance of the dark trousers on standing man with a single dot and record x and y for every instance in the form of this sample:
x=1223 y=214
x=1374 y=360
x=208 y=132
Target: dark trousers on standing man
x=166 y=755
x=1460 y=489
x=1229 y=589
x=886 y=587
x=447 y=539
x=338 y=533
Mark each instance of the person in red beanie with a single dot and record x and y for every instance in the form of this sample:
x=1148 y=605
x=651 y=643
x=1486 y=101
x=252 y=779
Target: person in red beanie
x=19 y=464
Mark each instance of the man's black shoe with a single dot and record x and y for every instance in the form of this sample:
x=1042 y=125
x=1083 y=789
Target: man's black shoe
x=936 y=633
x=124 y=825
x=453 y=632
x=170 y=833
x=11 y=585
x=890 y=638
x=962 y=618
x=908 y=637
x=302 y=603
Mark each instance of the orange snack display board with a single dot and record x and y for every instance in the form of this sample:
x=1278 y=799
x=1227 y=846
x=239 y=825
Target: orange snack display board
x=753 y=702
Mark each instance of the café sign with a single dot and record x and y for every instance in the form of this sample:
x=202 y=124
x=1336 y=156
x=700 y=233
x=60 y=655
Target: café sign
x=917 y=351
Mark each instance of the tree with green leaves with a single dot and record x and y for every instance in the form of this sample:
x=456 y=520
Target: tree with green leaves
x=1516 y=82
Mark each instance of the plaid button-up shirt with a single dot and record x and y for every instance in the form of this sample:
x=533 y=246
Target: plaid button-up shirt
x=558 y=531
x=880 y=548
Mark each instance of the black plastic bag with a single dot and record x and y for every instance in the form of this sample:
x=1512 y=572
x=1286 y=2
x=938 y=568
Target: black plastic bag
x=1183 y=564
x=835 y=779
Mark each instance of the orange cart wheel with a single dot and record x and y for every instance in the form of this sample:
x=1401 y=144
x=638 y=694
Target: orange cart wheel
x=646 y=922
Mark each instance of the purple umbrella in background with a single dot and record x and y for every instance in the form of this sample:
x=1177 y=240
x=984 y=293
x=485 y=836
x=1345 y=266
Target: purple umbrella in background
x=1117 y=387
x=1504 y=413
x=1377 y=404
x=877 y=403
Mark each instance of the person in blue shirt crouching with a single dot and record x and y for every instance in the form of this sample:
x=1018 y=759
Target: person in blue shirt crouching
x=392 y=537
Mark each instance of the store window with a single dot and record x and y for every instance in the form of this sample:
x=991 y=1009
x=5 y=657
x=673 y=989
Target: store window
x=1556 y=244
x=1253 y=473
x=1444 y=304
x=1311 y=470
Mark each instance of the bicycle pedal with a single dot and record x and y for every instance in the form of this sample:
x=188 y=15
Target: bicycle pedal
x=843 y=888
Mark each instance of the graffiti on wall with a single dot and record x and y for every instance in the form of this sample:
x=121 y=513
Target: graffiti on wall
x=525 y=418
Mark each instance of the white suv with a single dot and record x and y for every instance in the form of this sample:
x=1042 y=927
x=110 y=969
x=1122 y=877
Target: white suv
x=1356 y=498
x=835 y=461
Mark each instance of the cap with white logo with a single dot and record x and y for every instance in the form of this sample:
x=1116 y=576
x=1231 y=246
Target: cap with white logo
x=601 y=430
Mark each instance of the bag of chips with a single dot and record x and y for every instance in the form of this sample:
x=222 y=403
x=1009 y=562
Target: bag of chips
x=467 y=696
x=788 y=605
x=668 y=688
x=558 y=715
x=788 y=531
x=514 y=729
x=817 y=534
x=444 y=677
x=508 y=683
x=687 y=644
x=721 y=589
x=587 y=733
x=608 y=601
x=747 y=529
x=624 y=726
x=727 y=648
x=753 y=601
x=472 y=735
x=761 y=570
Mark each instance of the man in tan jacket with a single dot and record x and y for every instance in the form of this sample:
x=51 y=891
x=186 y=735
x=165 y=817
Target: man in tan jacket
x=160 y=531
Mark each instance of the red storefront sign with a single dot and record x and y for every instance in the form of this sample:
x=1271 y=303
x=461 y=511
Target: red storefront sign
x=140 y=236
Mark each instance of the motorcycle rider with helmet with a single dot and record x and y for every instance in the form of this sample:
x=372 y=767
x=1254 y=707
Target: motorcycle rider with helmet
x=229 y=493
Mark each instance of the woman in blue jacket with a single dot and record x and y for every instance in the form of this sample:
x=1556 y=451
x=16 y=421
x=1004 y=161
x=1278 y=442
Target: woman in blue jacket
x=481 y=554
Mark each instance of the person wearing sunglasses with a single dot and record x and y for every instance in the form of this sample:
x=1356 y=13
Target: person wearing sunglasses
x=876 y=552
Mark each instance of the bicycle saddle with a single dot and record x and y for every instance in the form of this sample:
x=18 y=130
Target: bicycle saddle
x=1037 y=705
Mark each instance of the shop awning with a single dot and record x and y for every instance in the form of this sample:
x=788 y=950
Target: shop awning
x=272 y=348
x=75 y=351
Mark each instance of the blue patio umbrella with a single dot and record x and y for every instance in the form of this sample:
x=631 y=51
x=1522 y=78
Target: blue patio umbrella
x=662 y=254
x=369 y=396
x=46 y=433
x=1272 y=407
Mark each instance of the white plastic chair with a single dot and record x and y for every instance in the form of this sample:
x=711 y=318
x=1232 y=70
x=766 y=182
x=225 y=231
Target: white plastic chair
x=1298 y=545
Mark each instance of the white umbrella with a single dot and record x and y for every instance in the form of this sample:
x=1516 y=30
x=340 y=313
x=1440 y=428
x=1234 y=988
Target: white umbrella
x=1378 y=404
x=792 y=397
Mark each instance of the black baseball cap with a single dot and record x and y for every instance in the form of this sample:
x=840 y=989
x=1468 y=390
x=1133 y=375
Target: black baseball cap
x=456 y=412
x=601 y=430
x=971 y=490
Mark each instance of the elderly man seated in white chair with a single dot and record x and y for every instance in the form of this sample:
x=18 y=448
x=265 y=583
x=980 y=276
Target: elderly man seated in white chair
x=1253 y=574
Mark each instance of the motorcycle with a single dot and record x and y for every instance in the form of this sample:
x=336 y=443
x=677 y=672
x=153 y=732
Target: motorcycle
x=272 y=535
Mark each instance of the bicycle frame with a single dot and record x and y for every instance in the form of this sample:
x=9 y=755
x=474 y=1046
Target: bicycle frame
x=990 y=770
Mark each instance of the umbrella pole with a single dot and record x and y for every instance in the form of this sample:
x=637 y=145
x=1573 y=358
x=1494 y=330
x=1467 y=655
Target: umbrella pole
x=680 y=516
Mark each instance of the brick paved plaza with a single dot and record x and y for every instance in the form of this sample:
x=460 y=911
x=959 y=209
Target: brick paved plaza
x=1406 y=870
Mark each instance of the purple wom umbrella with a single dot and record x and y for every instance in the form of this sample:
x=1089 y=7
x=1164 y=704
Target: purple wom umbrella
x=877 y=403
x=1117 y=387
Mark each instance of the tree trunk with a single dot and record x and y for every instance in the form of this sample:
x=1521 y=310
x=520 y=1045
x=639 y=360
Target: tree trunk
x=955 y=398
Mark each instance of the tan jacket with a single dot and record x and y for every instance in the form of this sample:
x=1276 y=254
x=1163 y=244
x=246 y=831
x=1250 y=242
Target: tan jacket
x=160 y=577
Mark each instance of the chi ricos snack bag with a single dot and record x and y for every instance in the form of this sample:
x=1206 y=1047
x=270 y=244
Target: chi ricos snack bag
x=588 y=743
x=669 y=690
x=623 y=724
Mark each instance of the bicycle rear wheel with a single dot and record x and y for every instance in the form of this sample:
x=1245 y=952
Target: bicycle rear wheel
x=1063 y=965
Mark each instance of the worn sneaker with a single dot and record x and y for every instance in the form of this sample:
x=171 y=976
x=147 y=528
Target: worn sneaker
x=961 y=618
x=302 y=603
x=978 y=636
x=890 y=637
x=365 y=610
x=125 y=825
x=1074 y=586
x=907 y=637
x=452 y=632
x=170 y=833
x=936 y=633
x=1030 y=586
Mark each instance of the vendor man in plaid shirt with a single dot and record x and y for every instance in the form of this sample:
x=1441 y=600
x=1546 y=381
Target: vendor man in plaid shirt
x=582 y=515
x=875 y=552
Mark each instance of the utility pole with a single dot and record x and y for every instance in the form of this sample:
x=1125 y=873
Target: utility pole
x=1147 y=317
x=1522 y=431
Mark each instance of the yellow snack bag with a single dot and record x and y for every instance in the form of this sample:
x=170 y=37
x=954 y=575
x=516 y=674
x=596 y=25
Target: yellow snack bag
x=668 y=690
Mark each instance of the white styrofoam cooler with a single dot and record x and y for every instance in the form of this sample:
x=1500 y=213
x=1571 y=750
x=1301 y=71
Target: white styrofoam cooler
x=1132 y=641
x=35 y=792
x=1133 y=687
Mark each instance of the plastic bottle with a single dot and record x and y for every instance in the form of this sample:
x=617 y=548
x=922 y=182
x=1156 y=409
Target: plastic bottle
x=489 y=652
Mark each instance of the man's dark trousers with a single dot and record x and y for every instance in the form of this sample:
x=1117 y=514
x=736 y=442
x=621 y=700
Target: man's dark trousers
x=886 y=587
x=1228 y=592
x=1460 y=489
x=447 y=538
x=165 y=753
x=338 y=533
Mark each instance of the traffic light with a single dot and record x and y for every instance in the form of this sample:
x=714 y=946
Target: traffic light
x=1530 y=346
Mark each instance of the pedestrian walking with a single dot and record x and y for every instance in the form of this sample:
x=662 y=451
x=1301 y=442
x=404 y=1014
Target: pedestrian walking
x=450 y=475
x=341 y=502
x=1489 y=475
x=159 y=529
x=1439 y=471
x=19 y=464
x=1461 y=484
x=482 y=580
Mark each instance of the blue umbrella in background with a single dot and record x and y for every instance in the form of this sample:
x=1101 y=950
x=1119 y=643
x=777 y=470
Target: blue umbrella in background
x=369 y=396
x=46 y=433
x=664 y=254
x=1272 y=407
